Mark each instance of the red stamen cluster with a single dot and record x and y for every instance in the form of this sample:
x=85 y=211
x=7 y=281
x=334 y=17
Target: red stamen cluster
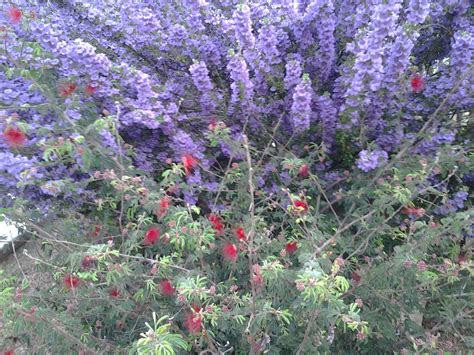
x=216 y=223
x=417 y=83
x=291 y=247
x=114 y=293
x=163 y=207
x=14 y=15
x=14 y=137
x=230 y=252
x=71 y=282
x=189 y=163
x=66 y=89
x=300 y=205
x=152 y=236
x=303 y=171
x=166 y=288
x=240 y=234
x=412 y=211
x=193 y=321
x=90 y=89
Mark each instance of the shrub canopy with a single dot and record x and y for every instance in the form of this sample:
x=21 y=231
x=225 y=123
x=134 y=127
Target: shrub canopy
x=239 y=177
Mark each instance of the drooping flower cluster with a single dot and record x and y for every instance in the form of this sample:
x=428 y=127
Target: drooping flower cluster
x=300 y=114
x=243 y=26
x=293 y=72
x=242 y=86
x=327 y=112
x=325 y=27
x=203 y=83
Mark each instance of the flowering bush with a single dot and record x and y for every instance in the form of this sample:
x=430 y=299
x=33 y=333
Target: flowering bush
x=223 y=177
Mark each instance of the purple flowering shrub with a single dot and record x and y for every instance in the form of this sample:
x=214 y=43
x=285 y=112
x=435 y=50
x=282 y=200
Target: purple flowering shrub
x=222 y=177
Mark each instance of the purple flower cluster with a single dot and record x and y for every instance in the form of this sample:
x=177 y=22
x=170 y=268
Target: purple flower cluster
x=268 y=41
x=369 y=52
x=17 y=168
x=453 y=204
x=326 y=25
x=418 y=11
x=201 y=79
x=293 y=73
x=370 y=160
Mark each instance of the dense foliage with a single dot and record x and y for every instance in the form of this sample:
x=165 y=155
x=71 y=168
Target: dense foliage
x=239 y=177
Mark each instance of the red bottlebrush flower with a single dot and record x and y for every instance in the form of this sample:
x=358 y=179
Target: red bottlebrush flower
x=257 y=277
x=406 y=210
x=165 y=203
x=291 y=247
x=193 y=321
x=417 y=83
x=71 y=282
x=300 y=205
x=212 y=124
x=412 y=211
x=114 y=293
x=230 y=252
x=240 y=234
x=356 y=277
x=166 y=288
x=66 y=89
x=87 y=261
x=14 y=15
x=163 y=208
x=216 y=223
x=90 y=89
x=96 y=231
x=152 y=236
x=14 y=137
x=189 y=163
x=304 y=171
x=8 y=352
